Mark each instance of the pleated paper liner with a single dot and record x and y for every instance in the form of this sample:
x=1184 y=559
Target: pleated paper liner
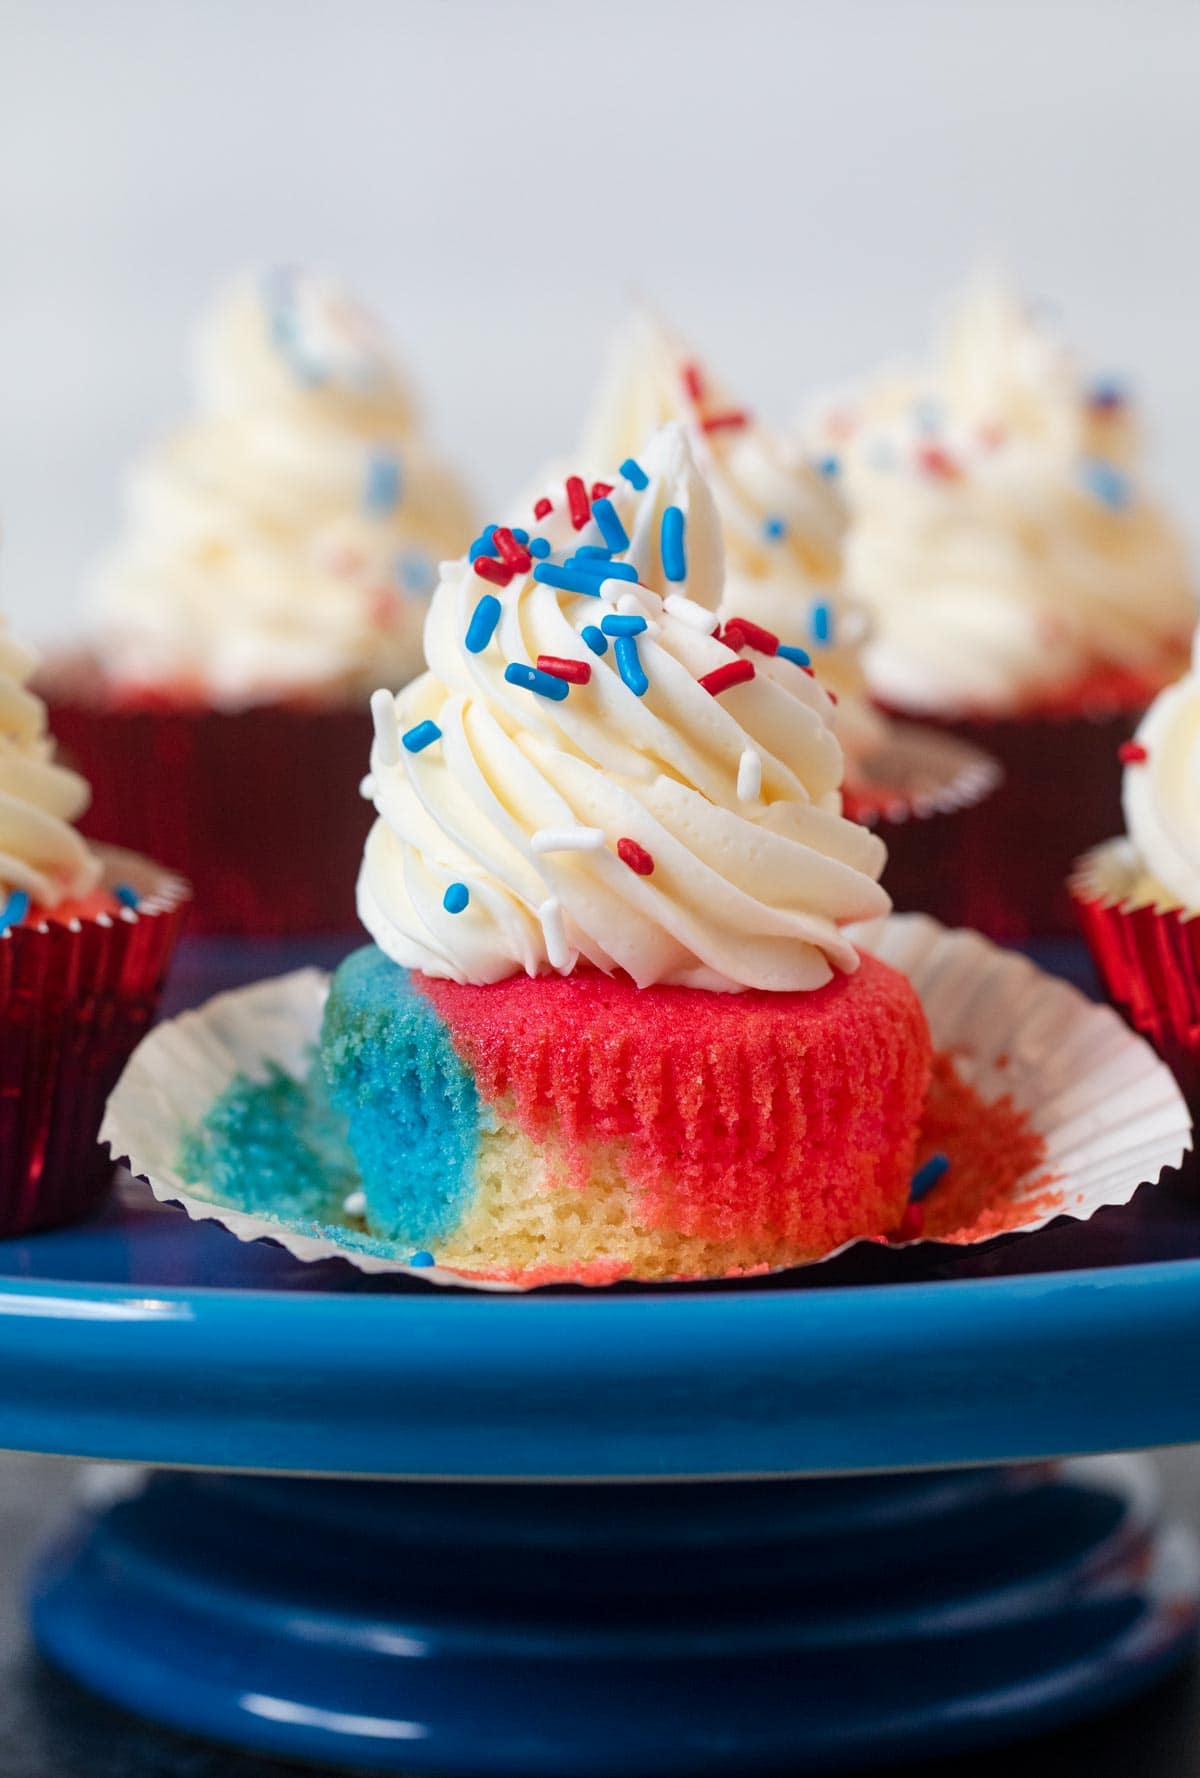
x=1147 y=956
x=1046 y=1105
x=75 y=999
x=925 y=794
x=258 y=808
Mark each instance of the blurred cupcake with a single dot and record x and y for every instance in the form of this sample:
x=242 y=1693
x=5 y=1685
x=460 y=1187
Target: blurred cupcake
x=277 y=562
x=784 y=523
x=612 y=1025
x=1138 y=898
x=1024 y=589
x=85 y=937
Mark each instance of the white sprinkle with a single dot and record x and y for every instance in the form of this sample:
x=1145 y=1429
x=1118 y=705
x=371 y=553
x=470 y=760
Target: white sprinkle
x=387 y=731
x=367 y=789
x=555 y=933
x=568 y=839
x=632 y=606
x=749 y=776
x=697 y=617
x=355 y=1204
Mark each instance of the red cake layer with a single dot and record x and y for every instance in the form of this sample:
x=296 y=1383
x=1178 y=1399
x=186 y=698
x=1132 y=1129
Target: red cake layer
x=788 y=1114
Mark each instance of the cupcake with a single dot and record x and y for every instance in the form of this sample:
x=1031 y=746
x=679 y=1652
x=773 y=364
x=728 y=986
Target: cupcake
x=611 y=1024
x=1025 y=590
x=1138 y=897
x=277 y=561
x=784 y=522
x=85 y=937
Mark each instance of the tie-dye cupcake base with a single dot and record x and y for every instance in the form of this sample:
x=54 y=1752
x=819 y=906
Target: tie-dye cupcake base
x=1039 y=1105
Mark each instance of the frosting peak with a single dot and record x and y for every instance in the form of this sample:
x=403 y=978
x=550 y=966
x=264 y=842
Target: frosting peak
x=1161 y=791
x=586 y=775
x=41 y=855
x=784 y=521
x=285 y=542
x=1000 y=534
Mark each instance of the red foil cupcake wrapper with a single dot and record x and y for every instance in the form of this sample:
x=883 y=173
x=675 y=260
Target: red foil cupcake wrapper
x=1148 y=959
x=1060 y=796
x=259 y=809
x=926 y=794
x=75 y=1000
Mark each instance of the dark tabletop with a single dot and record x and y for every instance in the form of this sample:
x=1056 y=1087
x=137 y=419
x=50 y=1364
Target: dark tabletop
x=49 y=1728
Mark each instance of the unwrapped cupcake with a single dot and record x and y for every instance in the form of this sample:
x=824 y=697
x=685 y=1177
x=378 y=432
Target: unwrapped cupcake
x=784 y=523
x=611 y=1024
x=277 y=561
x=1024 y=588
x=85 y=937
x=1138 y=897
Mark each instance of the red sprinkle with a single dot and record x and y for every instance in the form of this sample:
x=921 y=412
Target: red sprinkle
x=578 y=504
x=693 y=382
x=912 y=1223
x=728 y=422
x=732 y=673
x=601 y=490
x=488 y=568
x=935 y=461
x=542 y=507
x=510 y=551
x=574 y=672
x=831 y=695
x=1132 y=753
x=739 y=632
x=635 y=856
x=386 y=609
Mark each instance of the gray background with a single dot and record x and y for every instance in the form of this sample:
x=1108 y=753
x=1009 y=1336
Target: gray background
x=795 y=183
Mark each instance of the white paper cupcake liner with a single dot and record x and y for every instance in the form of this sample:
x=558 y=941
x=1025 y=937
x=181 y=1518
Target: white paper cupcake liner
x=1110 y=1113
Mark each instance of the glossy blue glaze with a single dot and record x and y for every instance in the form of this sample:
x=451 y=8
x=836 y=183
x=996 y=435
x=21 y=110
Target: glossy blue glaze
x=584 y=1630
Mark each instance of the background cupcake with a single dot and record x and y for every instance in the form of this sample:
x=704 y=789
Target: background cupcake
x=277 y=561
x=784 y=524
x=1024 y=589
x=1138 y=897
x=85 y=937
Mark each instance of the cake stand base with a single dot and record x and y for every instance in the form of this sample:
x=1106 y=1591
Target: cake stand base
x=638 y=1628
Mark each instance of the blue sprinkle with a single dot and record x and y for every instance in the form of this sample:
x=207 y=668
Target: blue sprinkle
x=520 y=535
x=674 y=560
x=829 y=467
x=623 y=624
x=423 y=1258
x=633 y=472
x=569 y=579
x=14 y=909
x=1106 y=482
x=588 y=550
x=600 y=568
x=127 y=895
x=611 y=528
x=539 y=546
x=1106 y=395
x=774 y=529
x=595 y=639
x=482 y=626
x=822 y=624
x=533 y=679
x=482 y=545
x=926 y=1177
x=415 y=572
x=788 y=652
x=382 y=491
x=629 y=665
x=456 y=898
x=424 y=735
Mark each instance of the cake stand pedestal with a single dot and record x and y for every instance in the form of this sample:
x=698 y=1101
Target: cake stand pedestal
x=848 y=1516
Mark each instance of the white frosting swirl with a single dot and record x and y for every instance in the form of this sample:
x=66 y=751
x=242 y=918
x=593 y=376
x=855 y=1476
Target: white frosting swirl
x=999 y=534
x=286 y=542
x=1161 y=794
x=40 y=852
x=784 y=522
x=734 y=797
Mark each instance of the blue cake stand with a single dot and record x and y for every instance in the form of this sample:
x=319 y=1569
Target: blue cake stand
x=843 y=1517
